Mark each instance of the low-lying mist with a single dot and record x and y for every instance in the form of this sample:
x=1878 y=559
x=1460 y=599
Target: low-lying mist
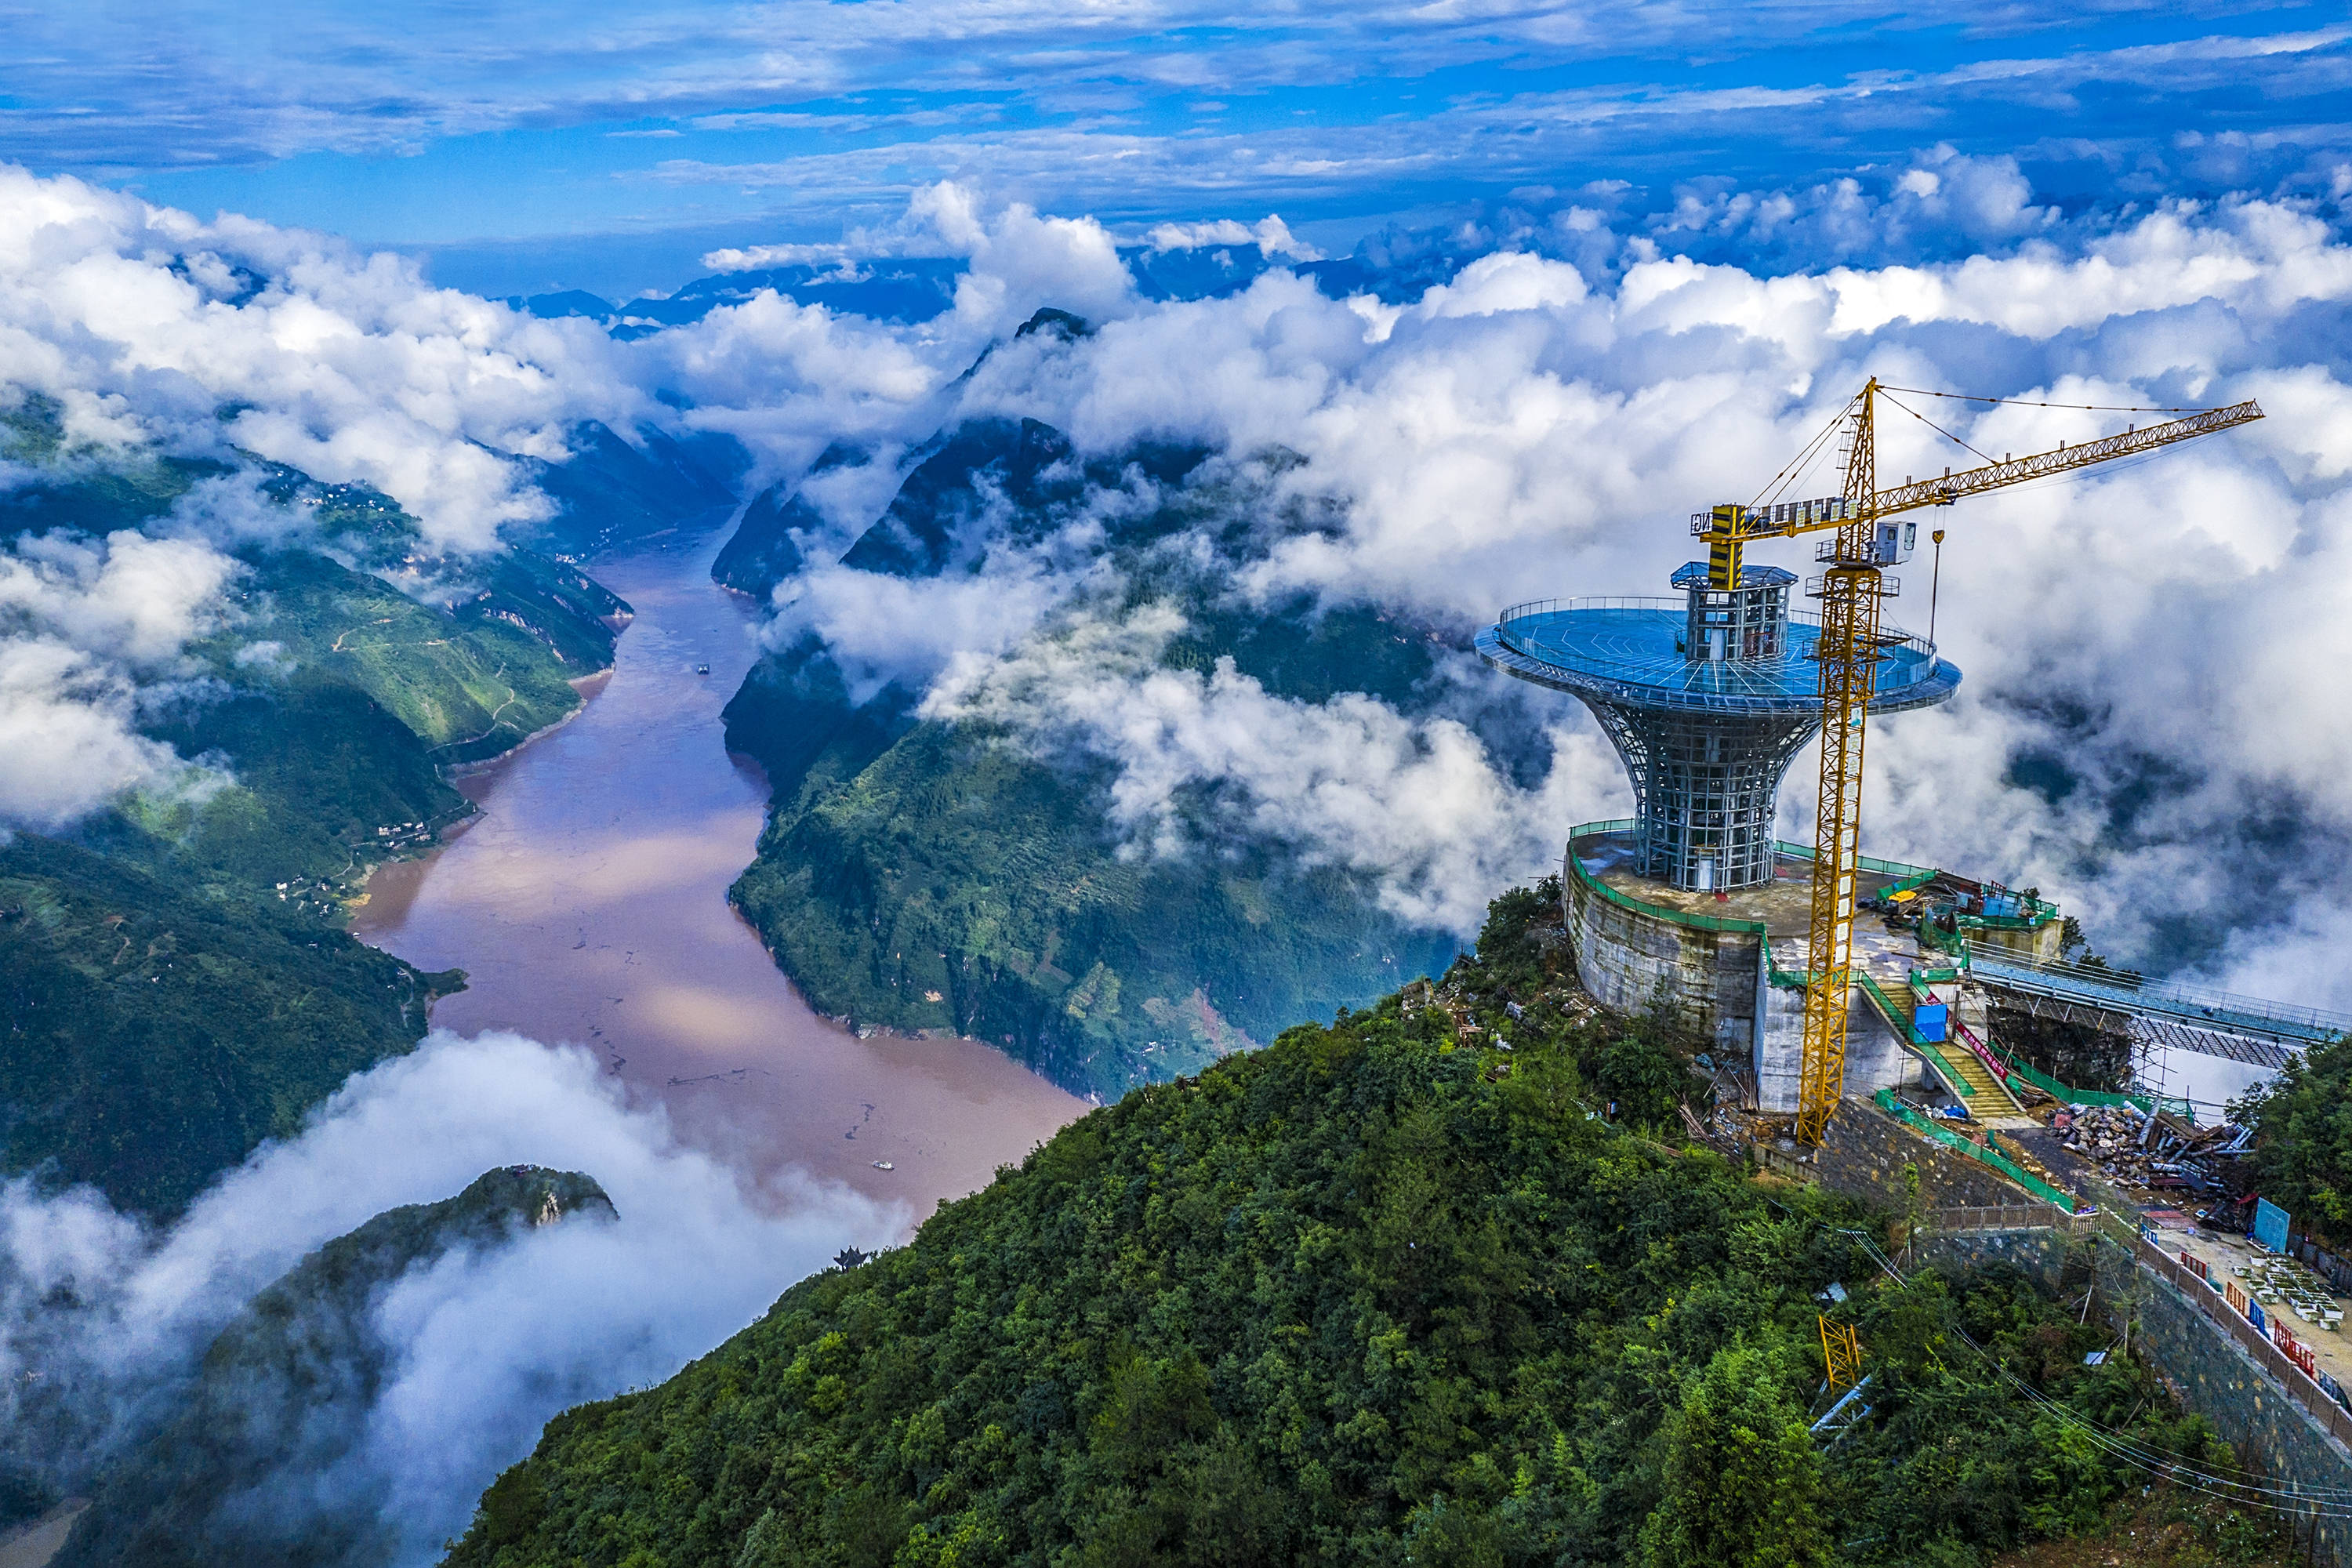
x=104 y=1317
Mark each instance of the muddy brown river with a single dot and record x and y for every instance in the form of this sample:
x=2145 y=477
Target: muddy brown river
x=587 y=903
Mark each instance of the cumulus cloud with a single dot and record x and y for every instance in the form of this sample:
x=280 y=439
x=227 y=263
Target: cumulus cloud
x=487 y=1344
x=85 y=626
x=884 y=629
x=67 y=740
x=1021 y=260
x=1270 y=234
x=145 y=324
x=1417 y=804
x=1539 y=415
x=2147 y=729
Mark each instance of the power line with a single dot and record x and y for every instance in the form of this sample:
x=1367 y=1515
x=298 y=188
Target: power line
x=2298 y=1500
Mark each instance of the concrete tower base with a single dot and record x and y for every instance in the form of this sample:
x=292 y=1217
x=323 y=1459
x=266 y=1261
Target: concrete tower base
x=1728 y=970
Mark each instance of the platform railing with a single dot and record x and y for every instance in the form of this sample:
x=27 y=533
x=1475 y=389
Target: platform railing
x=1530 y=608
x=1576 y=870
x=1963 y=1144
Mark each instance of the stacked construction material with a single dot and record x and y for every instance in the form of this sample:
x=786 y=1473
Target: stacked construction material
x=2108 y=1136
x=2153 y=1149
x=2281 y=1284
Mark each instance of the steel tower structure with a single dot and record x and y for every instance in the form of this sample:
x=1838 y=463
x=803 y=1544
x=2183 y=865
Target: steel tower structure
x=1707 y=699
x=1677 y=727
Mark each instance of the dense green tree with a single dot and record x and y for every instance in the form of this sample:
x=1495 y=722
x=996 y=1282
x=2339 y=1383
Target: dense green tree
x=1387 y=1292
x=1742 y=1476
x=2302 y=1119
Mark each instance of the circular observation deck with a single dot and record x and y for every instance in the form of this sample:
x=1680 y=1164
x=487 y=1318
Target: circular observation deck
x=1631 y=652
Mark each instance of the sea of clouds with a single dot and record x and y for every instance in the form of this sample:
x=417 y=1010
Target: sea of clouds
x=2155 y=644
x=2146 y=731
x=489 y=1343
x=2149 y=728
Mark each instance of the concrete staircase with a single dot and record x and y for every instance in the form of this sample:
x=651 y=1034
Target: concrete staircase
x=1986 y=1096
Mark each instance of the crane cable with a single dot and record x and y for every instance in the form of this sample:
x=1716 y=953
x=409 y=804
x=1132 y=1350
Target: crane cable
x=1796 y=467
x=2298 y=1500
x=1800 y=464
x=2029 y=403
x=1931 y=424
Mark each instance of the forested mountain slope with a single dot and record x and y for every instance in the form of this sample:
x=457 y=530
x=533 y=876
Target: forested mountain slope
x=1387 y=1291
x=251 y=1464
x=943 y=873
x=177 y=986
x=151 y=1034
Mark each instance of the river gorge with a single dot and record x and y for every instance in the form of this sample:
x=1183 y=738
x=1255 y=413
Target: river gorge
x=587 y=904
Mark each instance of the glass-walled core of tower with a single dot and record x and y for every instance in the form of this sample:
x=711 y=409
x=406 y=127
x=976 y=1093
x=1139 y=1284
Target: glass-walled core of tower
x=1732 y=625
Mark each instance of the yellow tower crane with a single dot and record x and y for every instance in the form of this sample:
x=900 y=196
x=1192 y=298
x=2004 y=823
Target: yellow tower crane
x=1866 y=540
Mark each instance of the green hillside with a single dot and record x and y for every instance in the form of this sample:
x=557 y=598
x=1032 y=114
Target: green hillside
x=179 y=986
x=151 y=1034
x=283 y=1396
x=1386 y=1292
x=938 y=875
x=954 y=884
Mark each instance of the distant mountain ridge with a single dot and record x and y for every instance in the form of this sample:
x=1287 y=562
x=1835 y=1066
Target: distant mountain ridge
x=914 y=290
x=934 y=875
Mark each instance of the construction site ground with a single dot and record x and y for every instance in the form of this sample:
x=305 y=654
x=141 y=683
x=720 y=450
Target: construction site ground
x=2170 y=1527
x=2222 y=1253
x=1784 y=905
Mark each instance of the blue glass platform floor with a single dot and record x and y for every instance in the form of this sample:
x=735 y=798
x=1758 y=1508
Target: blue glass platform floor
x=1630 y=650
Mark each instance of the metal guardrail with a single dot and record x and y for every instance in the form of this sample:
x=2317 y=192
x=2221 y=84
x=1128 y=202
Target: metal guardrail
x=1513 y=644
x=1974 y=1151
x=1912 y=1040
x=1906 y=875
x=1890 y=636
x=1660 y=912
x=2201 y=1007
x=1962 y=1218
x=2023 y=1071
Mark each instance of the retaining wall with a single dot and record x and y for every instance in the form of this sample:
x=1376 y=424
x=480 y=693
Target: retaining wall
x=1716 y=984
x=2214 y=1361
x=1633 y=961
x=1863 y=1154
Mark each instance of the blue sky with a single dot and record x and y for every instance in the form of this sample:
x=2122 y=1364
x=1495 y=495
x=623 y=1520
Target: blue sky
x=532 y=145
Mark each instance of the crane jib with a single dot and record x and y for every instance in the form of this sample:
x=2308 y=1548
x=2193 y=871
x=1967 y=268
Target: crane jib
x=1950 y=487
x=1727 y=526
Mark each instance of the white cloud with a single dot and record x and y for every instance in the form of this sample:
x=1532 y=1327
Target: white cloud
x=67 y=745
x=1021 y=261
x=129 y=597
x=1417 y=804
x=145 y=323
x=1270 y=234
x=488 y=1345
x=882 y=629
x=2165 y=630
x=84 y=623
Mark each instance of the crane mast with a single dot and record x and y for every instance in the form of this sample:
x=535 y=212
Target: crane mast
x=1852 y=588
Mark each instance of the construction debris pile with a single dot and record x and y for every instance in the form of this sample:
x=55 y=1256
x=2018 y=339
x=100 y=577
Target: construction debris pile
x=2152 y=1149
